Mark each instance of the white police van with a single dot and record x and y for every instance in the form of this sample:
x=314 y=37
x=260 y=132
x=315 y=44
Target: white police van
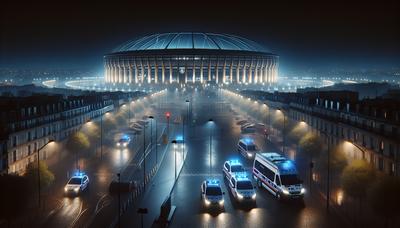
x=211 y=193
x=247 y=147
x=278 y=175
x=242 y=188
x=231 y=167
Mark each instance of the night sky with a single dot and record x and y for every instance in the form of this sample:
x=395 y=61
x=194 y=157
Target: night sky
x=313 y=35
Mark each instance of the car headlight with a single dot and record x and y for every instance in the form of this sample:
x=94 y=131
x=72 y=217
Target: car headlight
x=240 y=196
x=76 y=189
x=65 y=189
x=221 y=202
x=125 y=144
x=253 y=196
x=207 y=202
x=303 y=190
x=284 y=191
x=249 y=154
x=118 y=144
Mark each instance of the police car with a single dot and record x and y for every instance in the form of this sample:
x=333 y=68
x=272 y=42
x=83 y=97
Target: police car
x=78 y=183
x=179 y=141
x=247 y=148
x=231 y=167
x=212 y=194
x=242 y=188
x=123 y=141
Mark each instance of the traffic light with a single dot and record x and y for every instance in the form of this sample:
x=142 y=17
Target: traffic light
x=167 y=114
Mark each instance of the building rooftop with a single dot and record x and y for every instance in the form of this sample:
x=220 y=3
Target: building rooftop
x=191 y=40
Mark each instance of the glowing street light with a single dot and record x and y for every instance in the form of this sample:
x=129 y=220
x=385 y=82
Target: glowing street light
x=175 y=146
x=211 y=122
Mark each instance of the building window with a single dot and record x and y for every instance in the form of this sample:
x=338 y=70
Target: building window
x=380 y=164
x=371 y=142
x=14 y=141
x=14 y=156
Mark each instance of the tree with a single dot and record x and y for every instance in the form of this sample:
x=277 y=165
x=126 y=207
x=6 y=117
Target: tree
x=14 y=196
x=312 y=145
x=338 y=160
x=77 y=142
x=384 y=198
x=356 y=179
x=46 y=176
x=297 y=132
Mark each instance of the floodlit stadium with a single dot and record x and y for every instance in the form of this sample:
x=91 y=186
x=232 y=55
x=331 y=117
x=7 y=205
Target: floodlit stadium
x=190 y=57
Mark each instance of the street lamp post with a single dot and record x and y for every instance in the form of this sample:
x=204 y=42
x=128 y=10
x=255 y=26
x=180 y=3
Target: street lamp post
x=187 y=109
x=328 y=174
x=151 y=135
x=283 y=131
x=210 y=121
x=101 y=137
x=119 y=199
x=38 y=168
x=174 y=145
x=168 y=115
x=144 y=156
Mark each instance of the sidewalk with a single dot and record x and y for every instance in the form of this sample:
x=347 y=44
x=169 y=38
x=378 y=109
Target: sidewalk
x=158 y=189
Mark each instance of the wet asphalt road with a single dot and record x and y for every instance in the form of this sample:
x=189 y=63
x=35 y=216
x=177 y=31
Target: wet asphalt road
x=268 y=211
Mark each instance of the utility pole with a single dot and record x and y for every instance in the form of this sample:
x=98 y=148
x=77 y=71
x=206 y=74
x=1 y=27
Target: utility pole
x=144 y=157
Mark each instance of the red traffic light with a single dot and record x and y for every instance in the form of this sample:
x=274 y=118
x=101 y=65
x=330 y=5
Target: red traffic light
x=167 y=114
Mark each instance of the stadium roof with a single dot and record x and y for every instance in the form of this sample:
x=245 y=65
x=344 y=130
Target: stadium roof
x=191 y=40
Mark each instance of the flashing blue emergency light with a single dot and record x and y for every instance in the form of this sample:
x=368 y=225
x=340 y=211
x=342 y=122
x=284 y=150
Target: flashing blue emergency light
x=288 y=165
x=79 y=174
x=213 y=182
x=179 y=138
x=248 y=140
x=234 y=162
x=241 y=175
x=125 y=137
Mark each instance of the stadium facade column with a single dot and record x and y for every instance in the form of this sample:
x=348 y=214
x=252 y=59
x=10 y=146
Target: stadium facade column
x=170 y=72
x=120 y=71
x=244 y=72
x=268 y=70
x=141 y=71
x=256 y=80
x=201 y=70
x=216 y=70
x=260 y=73
x=224 y=72
x=194 y=71
x=238 y=72
x=231 y=71
x=250 y=71
x=106 y=73
x=162 y=71
x=130 y=79
x=209 y=69
x=155 y=72
x=124 y=72
x=136 y=71
x=276 y=65
x=148 y=71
